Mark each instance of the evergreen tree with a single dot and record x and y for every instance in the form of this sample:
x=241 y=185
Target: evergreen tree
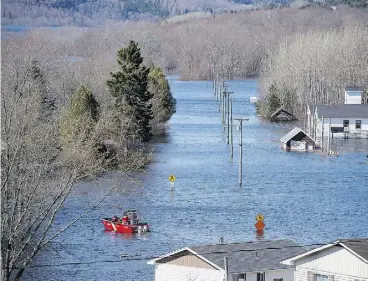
x=129 y=87
x=40 y=86
x=80 y=118
x=163 y=103
x=273 y=101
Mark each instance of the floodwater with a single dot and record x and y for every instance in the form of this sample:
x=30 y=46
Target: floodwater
x=307 y=197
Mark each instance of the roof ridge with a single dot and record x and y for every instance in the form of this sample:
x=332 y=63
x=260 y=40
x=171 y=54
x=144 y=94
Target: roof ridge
x=245 y=242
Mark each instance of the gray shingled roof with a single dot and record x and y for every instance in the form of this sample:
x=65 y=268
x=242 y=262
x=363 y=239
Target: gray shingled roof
x=354 y=89
x=343 y=111
x=358 y=245
x=251 y=256
x=280 y=109
x=294 y=132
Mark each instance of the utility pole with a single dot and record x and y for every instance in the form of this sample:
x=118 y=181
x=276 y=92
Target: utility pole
x=328 y=136
x=223 y=107
x=241 y=149
x=322 y=132
x=228 y=115
x=226 y=267
x=231 y=128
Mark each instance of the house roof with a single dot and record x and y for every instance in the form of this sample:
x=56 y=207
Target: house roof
x=358 y=247
x=354 y=89
x=294 y=132
x=279 y=110
x=247 y=256
x=343 y=111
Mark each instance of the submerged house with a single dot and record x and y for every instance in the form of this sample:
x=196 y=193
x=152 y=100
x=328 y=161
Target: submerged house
x=281 y=114
x=250 y=261
x=348 y=120
x=341 y=120
x=298 y=140
x=342 y=260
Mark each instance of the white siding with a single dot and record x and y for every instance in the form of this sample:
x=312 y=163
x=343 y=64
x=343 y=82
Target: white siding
x=171 y=272
x=353 y=97
x=336 y=261
x=338 y=122
x=286 y=275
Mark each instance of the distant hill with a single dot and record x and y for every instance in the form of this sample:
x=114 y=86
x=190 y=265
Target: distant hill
x=95 y=12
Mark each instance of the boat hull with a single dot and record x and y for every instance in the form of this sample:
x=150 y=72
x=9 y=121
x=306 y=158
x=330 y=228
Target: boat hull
x=124 y=228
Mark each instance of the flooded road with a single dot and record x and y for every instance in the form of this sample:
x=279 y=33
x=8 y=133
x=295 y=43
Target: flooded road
x=307 y=197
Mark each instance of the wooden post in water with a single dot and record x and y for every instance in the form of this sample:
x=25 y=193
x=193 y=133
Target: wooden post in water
x=231 y=128
x=214 y=82
x=220 y=98
x=322 y=133
x=328 y=136
x=228 y=116
x=241 y=149
x=226 y=267
x=223 y=105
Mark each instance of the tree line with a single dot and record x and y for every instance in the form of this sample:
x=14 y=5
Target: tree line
x=96 y=12
x=48 y=144
x=314 y=68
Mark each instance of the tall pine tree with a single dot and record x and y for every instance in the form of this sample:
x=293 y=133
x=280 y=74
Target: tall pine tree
x=80 y=118
x=163 y=103
x=129 y=87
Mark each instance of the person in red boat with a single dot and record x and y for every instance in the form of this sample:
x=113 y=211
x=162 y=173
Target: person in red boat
x=125 y=219
x=115 y=218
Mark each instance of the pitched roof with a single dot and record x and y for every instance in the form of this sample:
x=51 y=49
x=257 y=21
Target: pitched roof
x=357 y=246
x=279 y=110
x=294 y=132
x=354 y=89
x=343 y=110
x=248 y=256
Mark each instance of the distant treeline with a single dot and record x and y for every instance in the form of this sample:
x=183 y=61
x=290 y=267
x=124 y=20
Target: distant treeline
x=95 y=12
x=267 y=43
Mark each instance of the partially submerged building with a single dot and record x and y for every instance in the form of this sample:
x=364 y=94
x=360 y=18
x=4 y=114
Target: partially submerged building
x=281 y=114
x=298 y=140
x=348 y=120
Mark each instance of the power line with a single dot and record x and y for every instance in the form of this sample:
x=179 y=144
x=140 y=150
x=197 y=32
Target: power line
x=192 y=254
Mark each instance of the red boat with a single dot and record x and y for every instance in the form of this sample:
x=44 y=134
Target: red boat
x=129 y=223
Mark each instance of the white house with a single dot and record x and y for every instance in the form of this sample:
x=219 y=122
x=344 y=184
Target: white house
x=250 y=261
x=340 y=120
x=354 y=95
x=343 y=260
x=349 y=120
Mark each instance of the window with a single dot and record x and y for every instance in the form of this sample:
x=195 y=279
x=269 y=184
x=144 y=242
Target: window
x=239 y=277
x=278 y=279
x=261 y=276
x=319 y=277
x=358 y=124
x=346 y=123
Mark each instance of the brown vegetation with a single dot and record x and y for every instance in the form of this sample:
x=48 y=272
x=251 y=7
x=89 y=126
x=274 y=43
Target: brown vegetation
x=315 y=67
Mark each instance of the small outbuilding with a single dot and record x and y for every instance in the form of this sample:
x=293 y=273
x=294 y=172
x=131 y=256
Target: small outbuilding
x=281 y=114
x=298 y=140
